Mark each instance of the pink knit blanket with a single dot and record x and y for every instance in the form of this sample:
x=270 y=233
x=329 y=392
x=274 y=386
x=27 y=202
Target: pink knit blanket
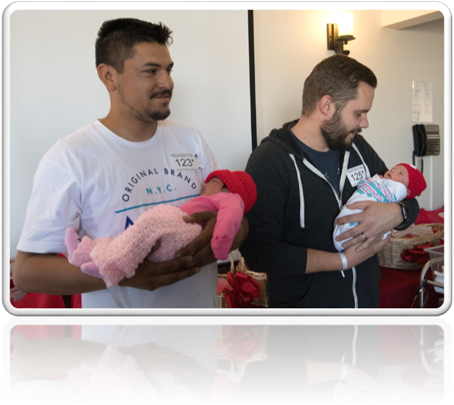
x=114 y=258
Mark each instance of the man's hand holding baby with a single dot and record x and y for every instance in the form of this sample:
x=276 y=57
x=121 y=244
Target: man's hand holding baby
x=356 y=256
x=153 y=275
x=374 y=221
x=200 y=248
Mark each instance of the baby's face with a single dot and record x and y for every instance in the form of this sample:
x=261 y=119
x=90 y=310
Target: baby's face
x=214 y=186
x=398 y=173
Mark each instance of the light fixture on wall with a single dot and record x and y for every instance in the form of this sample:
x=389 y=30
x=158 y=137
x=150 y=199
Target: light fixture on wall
x=338 y=34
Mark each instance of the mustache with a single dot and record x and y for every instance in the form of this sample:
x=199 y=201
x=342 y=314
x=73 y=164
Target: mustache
x=161 y=93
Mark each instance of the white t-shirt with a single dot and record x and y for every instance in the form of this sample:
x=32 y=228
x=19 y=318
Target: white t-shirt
x=98 y=184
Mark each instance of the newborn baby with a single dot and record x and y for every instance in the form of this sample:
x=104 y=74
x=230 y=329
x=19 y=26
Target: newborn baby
x=400 y=182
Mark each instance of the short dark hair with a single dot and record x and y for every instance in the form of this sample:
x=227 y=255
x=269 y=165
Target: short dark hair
x=337 y=76
x=117 y=38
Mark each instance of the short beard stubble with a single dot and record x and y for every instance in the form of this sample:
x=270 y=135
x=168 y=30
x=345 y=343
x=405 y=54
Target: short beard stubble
x=334 y=133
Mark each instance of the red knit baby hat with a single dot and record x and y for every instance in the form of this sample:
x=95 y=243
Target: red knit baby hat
x=416 y=182
x=238 y=182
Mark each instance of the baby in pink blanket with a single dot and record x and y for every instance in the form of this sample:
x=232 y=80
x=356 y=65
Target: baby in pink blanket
x=230 y=194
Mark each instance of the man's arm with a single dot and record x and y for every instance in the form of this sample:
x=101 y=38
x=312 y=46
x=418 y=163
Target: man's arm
x=51 y=274
x=318 y=260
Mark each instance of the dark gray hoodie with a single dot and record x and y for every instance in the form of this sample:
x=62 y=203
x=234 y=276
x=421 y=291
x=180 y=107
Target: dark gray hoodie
x=295 y=210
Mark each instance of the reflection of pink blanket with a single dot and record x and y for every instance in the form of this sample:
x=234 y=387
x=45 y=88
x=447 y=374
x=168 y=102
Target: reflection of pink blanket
x=113 y=375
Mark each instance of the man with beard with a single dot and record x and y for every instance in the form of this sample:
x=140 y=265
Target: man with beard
x=99 y=180
x=304 y=173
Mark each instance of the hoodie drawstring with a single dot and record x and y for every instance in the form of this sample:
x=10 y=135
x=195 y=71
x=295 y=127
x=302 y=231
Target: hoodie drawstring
x=354 y=343
x=300 y=188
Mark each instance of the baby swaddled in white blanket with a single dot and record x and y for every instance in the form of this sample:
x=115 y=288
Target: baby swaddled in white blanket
x=400 y=182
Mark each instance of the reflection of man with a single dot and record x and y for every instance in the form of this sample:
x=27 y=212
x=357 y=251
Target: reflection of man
x=317 y=362
x=137 y=361
x=304 y=173
x=100 y=179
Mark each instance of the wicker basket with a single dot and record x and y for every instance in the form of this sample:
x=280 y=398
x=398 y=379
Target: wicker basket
x=261 y=355
x=389 y=256
x=390 y=378
x=262 y=301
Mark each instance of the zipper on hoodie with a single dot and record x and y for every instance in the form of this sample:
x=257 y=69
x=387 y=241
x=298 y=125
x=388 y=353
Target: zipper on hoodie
x=311 y=167
x=354 y=340
x=342 y=179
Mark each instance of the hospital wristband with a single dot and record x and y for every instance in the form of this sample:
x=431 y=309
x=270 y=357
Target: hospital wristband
x=344 y=372
x=344 y=261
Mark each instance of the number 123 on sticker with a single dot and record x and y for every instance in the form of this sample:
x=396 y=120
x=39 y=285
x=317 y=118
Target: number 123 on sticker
x=186 y=161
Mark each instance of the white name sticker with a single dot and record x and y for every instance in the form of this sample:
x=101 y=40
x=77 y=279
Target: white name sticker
x=356 y=174
x=185 y=161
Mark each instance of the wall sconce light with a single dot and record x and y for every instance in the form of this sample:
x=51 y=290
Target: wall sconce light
x=338 y=34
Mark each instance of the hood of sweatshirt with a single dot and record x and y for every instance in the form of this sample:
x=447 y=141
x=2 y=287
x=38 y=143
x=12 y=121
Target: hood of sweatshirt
x=284 y=139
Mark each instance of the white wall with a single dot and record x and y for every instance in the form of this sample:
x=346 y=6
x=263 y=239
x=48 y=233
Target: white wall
x=55 y=89
x=407 y=18
x=290 y=43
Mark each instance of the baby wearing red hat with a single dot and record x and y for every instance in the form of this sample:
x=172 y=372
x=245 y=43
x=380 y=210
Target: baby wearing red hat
x=401 y=182
x=230 y=194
